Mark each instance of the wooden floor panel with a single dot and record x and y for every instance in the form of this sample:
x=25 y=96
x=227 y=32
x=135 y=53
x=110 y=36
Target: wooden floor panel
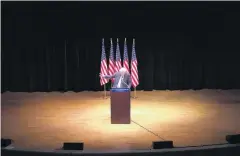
x=189 y=118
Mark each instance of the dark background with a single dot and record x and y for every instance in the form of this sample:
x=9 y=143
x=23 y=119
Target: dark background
x=179 y=45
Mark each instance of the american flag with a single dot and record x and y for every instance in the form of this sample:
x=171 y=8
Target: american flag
x=134 y=69
x=118 y=58
x=111 y=66
x=103 y=69
x=125 y=56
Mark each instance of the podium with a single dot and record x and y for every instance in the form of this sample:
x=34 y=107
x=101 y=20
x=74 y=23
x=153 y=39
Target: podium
x=120 y=106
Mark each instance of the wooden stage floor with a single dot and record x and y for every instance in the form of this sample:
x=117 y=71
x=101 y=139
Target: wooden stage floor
x=43 y=121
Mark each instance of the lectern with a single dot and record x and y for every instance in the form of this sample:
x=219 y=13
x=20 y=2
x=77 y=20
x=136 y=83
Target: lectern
x=120 y=106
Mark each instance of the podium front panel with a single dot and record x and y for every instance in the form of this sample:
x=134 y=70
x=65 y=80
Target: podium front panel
x=120 y=106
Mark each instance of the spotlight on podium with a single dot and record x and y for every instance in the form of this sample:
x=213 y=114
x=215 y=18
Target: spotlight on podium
x=73 y=146
x=162 y=144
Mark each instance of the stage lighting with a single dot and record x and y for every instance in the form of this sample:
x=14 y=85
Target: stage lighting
x=5 y=142
x=73 y=146
x=233 y=139
x=162 y=144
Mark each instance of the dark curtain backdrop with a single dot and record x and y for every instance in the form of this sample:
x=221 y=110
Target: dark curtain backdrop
x=179 y=45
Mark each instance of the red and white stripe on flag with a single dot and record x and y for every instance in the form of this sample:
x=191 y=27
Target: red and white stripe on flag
x=125 y=56
x=118 y=66
x=134 y=74
x=134 y=69
x=111 y=66
x=103 y=72
x=118 y=60
x=103 y=68
x=126 y=65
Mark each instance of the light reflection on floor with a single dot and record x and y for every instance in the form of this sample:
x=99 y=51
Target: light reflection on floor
x=46 y=120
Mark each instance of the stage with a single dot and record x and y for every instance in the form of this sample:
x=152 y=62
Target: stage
x=43 y=121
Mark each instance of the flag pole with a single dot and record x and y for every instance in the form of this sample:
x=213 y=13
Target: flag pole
x=110 y=89
x=135 y=93
x=105 y=96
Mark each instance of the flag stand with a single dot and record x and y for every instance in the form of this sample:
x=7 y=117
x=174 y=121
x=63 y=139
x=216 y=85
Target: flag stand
x=135 y=93
x=105 y=93
x=110 y=90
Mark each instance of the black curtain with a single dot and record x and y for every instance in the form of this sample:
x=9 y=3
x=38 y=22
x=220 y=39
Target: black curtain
x=56 y=46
